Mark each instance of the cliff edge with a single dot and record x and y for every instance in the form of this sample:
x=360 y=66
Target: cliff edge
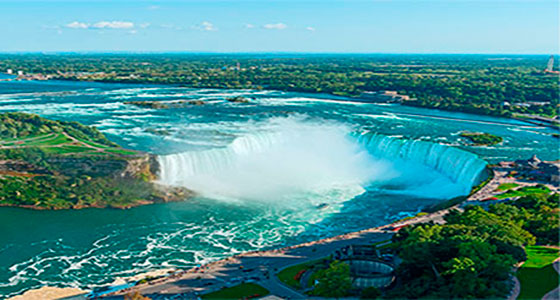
x=47 y=164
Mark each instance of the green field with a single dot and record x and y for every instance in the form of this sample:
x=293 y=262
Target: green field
x=66 y=149
x=507 y=186
x=120 y=151
x=287 y=275
x=94 y=144
x=537 y=275
x=242 y=291
x=525 y=191
x=58 y=143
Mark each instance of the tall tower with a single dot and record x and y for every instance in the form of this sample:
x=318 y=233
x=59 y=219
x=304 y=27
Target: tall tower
x=550 y=64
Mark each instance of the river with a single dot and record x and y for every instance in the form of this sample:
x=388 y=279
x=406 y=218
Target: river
x=283 y=169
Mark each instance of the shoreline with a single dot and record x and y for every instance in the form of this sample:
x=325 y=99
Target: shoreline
x=341 y=97
x=167 y=276
x=384 y=231
x=214 y=275
x=171 y=198
x=478 y=196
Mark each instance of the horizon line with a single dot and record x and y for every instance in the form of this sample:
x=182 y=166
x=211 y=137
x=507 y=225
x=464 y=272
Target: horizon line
x=271 y=52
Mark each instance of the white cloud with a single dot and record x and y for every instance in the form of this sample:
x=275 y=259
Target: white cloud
x=154 y=7
x=170 y=26
x=249 y=26
x=206 y=26
x=105 y=25
x=310 y=28
x=77 y=25
x=144 y=25
x=278 y=26
x=113 y=25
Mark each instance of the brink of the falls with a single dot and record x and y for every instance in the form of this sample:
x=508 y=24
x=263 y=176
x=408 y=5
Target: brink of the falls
x=307 y=160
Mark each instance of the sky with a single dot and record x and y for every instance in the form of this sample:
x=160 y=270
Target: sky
x=315 y=26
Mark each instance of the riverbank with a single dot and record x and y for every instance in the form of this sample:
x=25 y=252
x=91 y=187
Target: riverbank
x=253 y=266
x=260 y=266
x=48 y=164
x=49 y=293
x=529 y=119
x=198 y=231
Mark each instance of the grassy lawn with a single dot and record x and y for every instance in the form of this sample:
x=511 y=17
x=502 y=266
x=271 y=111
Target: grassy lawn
x=523 y=192
x=287 y=275
x=507 y=186
x=241 y=291
x=20 y=143
x=120 y=151
x=66 y=149
x=94 y=144
x=537 y=275
x=63 y=144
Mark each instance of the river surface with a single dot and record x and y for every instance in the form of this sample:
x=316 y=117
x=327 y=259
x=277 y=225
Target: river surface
x=283 y=169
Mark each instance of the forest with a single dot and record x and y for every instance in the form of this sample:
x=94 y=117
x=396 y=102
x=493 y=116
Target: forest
x=500 y=85
x=473 y=254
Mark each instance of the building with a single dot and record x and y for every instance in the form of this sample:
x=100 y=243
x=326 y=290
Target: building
x=10 y=71
x=547 y=171
x=368 y=268
x=384 y=96
x=20 y=73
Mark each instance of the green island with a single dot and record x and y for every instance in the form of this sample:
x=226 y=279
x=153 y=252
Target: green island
x=482 y=138
x=480 y=84
x=48 y=164
x=164 y=105
x=238 y=99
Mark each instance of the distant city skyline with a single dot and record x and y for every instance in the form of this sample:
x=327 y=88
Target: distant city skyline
x=422 y=26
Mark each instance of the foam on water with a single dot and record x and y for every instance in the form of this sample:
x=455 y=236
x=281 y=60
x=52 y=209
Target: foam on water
x=304 y=161
x=295 y=160
x=291 y=161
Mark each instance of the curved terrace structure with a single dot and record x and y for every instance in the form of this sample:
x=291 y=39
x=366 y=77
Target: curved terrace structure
x=370 y=273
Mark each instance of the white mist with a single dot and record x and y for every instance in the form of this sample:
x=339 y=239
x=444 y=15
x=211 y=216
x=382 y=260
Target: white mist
x=290 y=159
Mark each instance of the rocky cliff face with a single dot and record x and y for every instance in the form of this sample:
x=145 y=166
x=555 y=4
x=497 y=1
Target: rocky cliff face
x=144 y=167
x=85 y=181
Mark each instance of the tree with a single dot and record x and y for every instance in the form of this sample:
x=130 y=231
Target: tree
x=135 y=296
x=370 y=293
x=334 y=281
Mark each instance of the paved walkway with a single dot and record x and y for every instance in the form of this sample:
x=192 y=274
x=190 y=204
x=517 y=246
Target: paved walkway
x=261 y=266
x=253 y=267
x=501 y=177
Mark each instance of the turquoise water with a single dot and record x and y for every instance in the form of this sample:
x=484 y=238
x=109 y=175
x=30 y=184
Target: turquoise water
x=261 y=170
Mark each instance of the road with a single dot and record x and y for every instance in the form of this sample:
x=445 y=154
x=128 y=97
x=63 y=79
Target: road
x=252 y=267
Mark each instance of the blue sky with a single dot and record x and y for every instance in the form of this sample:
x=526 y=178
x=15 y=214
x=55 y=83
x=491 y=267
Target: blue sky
x=385 y=26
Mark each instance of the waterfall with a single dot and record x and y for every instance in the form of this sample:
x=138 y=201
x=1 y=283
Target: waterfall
x=176 y=167
x=323 y=161
x=460 y=166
